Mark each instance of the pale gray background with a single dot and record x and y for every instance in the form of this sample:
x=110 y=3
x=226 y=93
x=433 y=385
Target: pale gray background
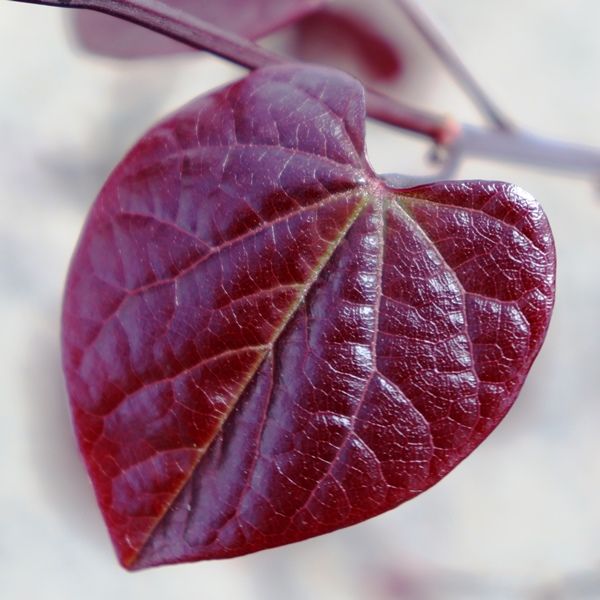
x=518 y=519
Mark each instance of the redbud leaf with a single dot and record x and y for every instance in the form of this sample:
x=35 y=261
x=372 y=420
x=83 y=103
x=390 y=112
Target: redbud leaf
x=264 y=341
x=346 y=38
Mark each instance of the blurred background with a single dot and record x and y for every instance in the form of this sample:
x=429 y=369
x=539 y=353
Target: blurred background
x=520 y=518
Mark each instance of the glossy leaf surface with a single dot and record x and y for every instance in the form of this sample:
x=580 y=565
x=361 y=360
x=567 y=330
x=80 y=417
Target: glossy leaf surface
x=264 y=342
x=114 y=37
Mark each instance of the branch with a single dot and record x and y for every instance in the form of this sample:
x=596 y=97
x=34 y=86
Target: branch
x=178 y=25
x=523 y=147
x=443 y=131
x=458 y=140
x=445 y=52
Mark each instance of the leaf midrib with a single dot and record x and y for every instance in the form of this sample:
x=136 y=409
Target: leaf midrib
x=361 y=190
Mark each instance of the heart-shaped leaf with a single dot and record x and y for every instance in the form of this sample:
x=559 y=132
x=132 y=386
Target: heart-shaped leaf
x=263 y=341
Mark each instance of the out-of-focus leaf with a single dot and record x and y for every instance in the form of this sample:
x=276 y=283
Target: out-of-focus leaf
x=348 y=39
x=114 y=37
x=339 y=36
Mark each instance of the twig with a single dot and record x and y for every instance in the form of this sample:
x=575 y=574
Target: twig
x=524 y=147
x=446 y=53
x=178 y=25
x=443 y=131
x=458 y=140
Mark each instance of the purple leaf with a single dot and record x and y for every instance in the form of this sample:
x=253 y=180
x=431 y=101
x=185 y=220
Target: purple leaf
x=350 y=40
x=109 y=36
x=264 y=342
x=344 y=37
